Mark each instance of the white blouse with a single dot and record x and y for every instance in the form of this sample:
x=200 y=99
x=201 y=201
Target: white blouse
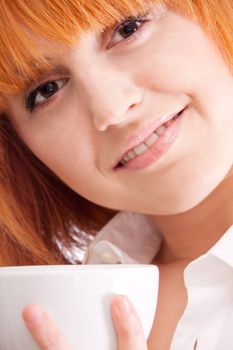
x=208 y=317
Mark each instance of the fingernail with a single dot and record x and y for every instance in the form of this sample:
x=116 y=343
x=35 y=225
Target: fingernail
x=123 y=307
x=34 y=315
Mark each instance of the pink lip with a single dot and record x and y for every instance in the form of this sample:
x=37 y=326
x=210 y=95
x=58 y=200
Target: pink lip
x=142 y=134
x=158 y=149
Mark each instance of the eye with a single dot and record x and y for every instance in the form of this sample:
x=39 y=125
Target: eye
x=43 y=93
x=128 y=28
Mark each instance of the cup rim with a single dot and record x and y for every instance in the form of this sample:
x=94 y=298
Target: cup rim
x=8 y=270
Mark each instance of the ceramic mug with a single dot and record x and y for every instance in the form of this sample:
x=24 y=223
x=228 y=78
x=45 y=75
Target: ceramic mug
x=78 y=298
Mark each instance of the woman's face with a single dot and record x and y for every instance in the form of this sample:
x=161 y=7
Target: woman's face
x=112 y=92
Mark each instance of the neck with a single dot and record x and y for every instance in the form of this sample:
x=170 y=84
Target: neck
x=191 y=234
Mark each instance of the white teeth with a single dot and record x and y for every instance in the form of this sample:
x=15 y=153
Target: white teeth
x=127 y=158
x=131 y=154
x=160 y=130
x=140 y=149
x=151 y=139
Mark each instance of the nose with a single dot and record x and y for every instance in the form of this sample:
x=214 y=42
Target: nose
x=113 y=99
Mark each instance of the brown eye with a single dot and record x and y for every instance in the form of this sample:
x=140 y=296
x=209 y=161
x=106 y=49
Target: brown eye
x=128 y=28
x=48 y=89
x=43 y=93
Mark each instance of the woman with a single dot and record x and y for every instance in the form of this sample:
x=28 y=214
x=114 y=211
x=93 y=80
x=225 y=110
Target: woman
x=123 y=105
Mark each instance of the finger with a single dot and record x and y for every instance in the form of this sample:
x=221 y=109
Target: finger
x=128 y=326
x=43 y=329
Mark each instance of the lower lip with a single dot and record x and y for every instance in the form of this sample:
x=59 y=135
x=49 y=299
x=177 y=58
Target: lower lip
x=157 y=150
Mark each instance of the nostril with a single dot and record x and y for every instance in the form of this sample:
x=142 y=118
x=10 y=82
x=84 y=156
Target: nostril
x=133 y=106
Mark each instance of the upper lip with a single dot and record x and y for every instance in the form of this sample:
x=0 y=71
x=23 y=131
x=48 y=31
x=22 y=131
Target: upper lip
x=143 y=133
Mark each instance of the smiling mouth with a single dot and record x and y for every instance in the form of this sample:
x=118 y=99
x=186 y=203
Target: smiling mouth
x=150 y=141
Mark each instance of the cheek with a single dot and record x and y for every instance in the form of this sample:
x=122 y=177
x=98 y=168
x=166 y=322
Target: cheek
x=65 y=149
x=73 y=163
x=65 y=155
x=173 y=64
x=73 y=160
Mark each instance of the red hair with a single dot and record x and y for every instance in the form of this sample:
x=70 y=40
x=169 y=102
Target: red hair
x=37 y=210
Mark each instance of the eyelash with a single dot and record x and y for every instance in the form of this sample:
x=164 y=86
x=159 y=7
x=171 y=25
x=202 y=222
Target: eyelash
x=31 y=99
x=140 y=19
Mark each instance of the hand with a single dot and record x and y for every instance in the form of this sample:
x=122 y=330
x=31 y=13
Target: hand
x=43 y=329
x=128 y=325
x=126 y=321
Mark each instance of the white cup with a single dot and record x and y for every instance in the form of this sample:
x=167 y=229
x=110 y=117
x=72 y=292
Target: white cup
x=78 y=298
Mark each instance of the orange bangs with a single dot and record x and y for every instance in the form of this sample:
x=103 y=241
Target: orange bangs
x=22 y=60
x=62 y=22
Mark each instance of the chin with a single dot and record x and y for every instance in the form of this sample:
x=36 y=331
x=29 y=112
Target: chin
x=182 y=205
x=183 y=197
x=193 y=190
x=175 y=197
x=188 y=199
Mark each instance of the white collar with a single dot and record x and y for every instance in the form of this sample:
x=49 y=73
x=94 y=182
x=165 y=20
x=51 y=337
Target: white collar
x=127 y=238
x=131 y=238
